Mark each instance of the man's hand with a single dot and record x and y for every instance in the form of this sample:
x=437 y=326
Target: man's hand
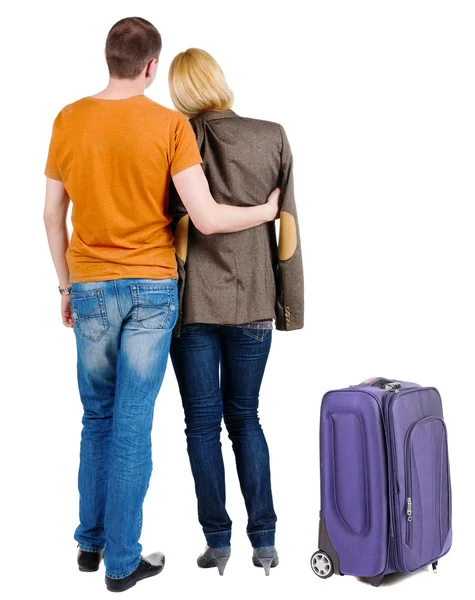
x=273 y=203
x=66 y=311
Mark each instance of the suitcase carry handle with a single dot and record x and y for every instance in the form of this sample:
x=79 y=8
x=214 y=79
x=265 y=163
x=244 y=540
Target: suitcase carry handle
x=381 y=382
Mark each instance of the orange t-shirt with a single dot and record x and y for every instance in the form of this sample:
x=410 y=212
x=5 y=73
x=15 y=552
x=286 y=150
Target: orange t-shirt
x=115 y=159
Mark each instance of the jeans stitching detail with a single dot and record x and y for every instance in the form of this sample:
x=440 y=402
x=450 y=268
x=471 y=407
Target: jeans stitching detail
x=218 y=532
x=90 y=548
x=99 y=295
x=253 y=333
x=190 y=327
x=167 y=307
x=118 y=300
x=263 y=531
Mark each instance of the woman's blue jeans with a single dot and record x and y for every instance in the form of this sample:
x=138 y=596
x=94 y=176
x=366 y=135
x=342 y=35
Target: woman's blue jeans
x=200 y=355
x=123 y=331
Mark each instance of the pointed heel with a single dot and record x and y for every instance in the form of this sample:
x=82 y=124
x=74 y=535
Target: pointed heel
x=266 y=557
x=221 y=563
x=266 y=563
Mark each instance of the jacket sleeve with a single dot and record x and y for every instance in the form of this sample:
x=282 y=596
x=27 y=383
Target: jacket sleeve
x=180 y=226
x=289 y=272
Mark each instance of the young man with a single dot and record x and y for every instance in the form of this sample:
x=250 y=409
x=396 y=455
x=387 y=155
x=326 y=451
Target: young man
x=113 y=155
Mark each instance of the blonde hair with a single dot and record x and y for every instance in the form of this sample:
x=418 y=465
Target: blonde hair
x=197 y=83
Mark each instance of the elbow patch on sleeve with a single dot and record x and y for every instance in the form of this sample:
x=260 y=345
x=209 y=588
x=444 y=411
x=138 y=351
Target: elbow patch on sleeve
x=287 y=236
x=181 y=237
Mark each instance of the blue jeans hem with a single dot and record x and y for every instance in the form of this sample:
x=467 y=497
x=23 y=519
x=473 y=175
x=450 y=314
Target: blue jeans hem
x=262 y=539
x=218 y=539
x=90 y=548
x=112 y=576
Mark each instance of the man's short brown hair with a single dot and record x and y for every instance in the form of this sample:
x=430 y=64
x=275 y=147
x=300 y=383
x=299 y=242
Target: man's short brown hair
x=130 y=44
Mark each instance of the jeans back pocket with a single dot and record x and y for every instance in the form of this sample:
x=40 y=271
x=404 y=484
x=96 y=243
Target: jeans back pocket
x=154 y=305
x=89 y=314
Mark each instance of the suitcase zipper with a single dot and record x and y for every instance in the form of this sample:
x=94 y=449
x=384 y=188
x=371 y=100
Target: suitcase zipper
x=408 y=474
x=409 y=521
x=393 y=487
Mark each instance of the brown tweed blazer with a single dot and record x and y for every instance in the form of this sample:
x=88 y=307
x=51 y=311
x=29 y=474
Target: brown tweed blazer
x=235 y=278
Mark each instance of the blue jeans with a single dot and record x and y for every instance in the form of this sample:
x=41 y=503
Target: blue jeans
x=123 y=331
x=241 y=354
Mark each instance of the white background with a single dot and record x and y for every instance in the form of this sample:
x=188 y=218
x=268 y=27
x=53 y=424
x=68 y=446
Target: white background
x=377 y=98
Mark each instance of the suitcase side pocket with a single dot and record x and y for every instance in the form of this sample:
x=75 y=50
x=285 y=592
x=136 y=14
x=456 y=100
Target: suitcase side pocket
x=350 y=472
x=427 y=488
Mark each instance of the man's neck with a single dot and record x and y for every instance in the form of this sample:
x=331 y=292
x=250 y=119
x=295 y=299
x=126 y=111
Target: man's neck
x=118 y=89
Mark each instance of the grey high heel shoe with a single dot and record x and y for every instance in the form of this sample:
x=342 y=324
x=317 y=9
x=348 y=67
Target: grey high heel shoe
x=266 y=557
x=214 y=557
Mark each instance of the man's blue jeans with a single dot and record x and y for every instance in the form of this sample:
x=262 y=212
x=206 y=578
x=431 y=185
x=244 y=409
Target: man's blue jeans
x=241 y=354
x=123 y=331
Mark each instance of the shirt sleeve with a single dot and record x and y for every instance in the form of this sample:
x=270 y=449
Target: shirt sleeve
x=185 y=151
x=52 y=169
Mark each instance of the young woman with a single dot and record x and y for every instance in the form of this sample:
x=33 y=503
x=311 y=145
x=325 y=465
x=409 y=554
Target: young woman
x=232 y=287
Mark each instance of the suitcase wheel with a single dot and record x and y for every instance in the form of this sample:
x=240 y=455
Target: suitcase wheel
x=322 y=564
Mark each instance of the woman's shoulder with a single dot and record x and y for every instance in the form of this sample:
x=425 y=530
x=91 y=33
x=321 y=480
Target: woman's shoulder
x=233 y=119
x=263 y=124
x=271 y=131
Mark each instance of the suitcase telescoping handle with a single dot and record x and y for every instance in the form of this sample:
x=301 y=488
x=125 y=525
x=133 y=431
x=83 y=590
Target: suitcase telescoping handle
x=383 y=383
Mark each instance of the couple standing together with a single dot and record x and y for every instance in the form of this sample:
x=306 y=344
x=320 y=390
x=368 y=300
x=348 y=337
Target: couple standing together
x=173 y=249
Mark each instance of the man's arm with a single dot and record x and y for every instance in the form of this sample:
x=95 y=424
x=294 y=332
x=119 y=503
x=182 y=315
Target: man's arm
x=55 y=213
x=210 y=217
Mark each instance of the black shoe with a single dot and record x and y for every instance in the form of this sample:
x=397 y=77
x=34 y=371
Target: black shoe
x=89 y=561
x=148 y=567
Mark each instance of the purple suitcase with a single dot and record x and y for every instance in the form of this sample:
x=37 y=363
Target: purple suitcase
x=385 y=481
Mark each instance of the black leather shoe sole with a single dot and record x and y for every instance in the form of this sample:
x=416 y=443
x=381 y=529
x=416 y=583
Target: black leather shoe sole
x=148 y=567
x=89 y=562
